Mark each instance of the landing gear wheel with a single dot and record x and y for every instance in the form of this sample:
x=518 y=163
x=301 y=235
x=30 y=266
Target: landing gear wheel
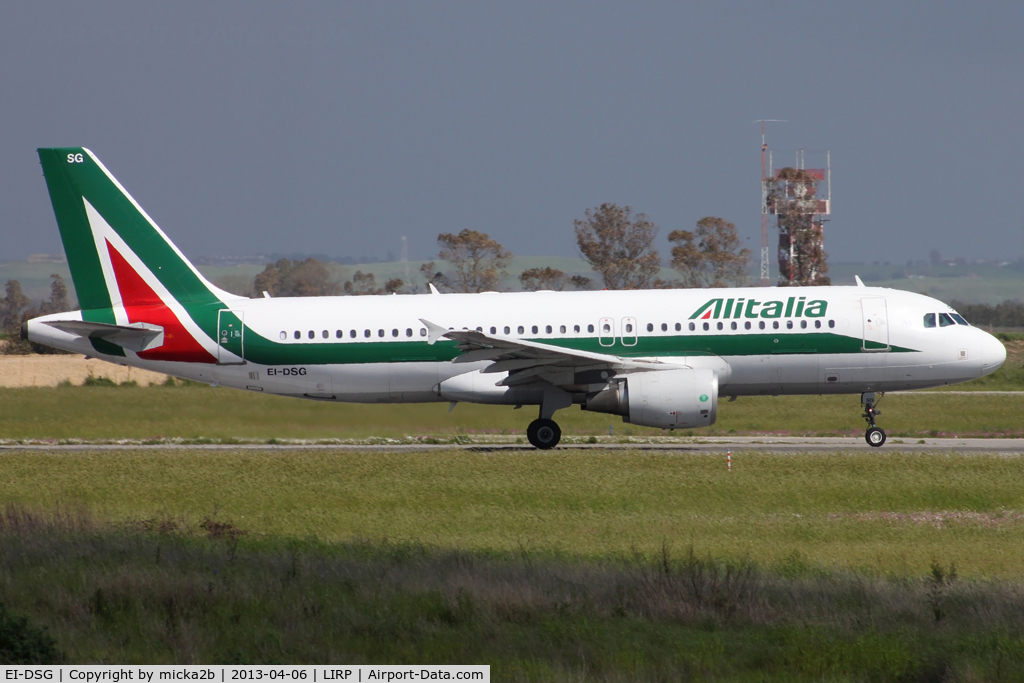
x=543 y=433
x=875 y=437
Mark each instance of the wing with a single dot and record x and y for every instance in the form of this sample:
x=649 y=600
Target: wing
x=527 y=362
x=135 y=337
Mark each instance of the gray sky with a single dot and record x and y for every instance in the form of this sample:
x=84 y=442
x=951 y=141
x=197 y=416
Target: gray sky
x=247 y=127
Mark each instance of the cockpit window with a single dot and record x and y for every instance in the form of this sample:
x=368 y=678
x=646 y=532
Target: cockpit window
x=929 y=320
x=945 y=320
x=959 y=319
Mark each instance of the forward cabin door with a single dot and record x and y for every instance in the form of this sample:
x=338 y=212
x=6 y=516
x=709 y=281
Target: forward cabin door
x=606 y=332
x=230 y=337
x=876 y=324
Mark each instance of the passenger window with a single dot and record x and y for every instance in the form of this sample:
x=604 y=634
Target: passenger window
x=606 y=328
x=380 y=333
x=706 y=327
x=959 y=318
x=664 y=327
x=298 y=335
x=352 y=333
x=831 y=323
x=339 y=334
x=284 y=335
x=817 y=324
x=679 y=327
x=547 y=329
x=480 y=330
x=692 y=327
x=929 y=320
x=775 y=324
x=733 y=324
x=312 y=334
x=803 y=324
x=520 y=328
x=508 y=330
x=394 y=333
x=423 y=332
x=590 y=328
x=494 y=330
x=575 y=328
x=789 y=324
x=761 y=324
x=366 y=333
x=408 y=332
x=746 y=325
x=945 y=320
x=721 y=326
x=561 y=329
x=325 y=334
x=534 y=329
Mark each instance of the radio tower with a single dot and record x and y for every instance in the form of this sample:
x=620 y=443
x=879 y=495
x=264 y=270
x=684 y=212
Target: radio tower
x=765 y=243
x=800 y=197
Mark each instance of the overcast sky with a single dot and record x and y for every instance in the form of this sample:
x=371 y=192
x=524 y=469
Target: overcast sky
x=250 y=127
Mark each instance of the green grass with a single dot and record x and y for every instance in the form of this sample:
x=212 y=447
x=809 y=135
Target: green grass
x=109 y=594
x=568 y=565
x=202 y=413
x=875 y=511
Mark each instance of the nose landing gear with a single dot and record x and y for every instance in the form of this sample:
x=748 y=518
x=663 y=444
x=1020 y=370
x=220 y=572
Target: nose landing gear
x=874 y=435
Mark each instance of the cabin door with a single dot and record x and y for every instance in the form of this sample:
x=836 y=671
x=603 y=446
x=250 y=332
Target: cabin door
x=230 y=337
x=876 y=324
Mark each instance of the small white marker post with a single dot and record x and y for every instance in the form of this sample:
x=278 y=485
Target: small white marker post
x=728 y=460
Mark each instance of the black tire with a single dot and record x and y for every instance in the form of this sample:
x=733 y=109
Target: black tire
x=544 y=434
x=875 y=437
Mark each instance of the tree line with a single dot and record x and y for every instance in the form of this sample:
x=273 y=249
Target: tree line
x=16 y=308
x=616 y=243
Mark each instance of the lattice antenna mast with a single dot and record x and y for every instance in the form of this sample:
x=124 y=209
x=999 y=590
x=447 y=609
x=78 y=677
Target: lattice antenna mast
x=765 y=239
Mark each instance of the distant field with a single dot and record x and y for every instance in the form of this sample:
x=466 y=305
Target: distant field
x=879 y=512
x=218 y=414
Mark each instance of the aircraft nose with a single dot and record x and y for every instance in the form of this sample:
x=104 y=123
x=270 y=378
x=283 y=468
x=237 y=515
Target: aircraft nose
x=993 y=353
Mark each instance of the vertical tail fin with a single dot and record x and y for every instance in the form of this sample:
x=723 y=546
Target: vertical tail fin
x=117 y=255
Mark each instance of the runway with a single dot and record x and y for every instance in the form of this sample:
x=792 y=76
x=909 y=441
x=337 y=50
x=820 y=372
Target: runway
x=762 y=444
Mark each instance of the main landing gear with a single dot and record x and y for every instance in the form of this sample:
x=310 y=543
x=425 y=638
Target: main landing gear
x=874 y=436
x=544 y=433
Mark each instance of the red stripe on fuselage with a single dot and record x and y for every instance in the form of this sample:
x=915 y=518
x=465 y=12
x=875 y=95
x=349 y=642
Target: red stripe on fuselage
x=144 y=306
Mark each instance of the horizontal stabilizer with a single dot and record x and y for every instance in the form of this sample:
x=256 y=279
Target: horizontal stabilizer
x=134 y=337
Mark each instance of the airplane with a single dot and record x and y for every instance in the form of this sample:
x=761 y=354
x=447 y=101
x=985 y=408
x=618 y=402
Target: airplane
x=657 y=358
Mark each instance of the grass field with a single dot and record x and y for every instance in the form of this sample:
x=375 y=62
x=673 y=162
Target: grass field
x=878 y=512
x=218 y=414
x=567 y=565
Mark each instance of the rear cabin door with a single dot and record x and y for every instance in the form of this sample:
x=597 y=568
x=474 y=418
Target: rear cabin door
x=876 y=324
x=230 y=337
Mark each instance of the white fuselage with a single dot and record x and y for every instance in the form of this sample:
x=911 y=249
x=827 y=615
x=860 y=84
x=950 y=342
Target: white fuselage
x=375 y=348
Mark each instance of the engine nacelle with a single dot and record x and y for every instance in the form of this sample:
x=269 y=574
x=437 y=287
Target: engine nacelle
x=667 y=399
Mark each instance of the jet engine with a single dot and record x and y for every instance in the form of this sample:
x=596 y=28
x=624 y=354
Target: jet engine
x=667 y=399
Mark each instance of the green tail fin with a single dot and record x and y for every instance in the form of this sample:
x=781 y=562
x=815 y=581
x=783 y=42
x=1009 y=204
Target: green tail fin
x=100 y=222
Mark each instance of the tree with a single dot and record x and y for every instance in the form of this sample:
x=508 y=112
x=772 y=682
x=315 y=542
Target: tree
x=710 y=256
x=363 y=284
x=432 y=276
x=11 y=307
x=478 y=262
x=58 y=302
x=618 y=246
x=296 y=278
x=533 y=279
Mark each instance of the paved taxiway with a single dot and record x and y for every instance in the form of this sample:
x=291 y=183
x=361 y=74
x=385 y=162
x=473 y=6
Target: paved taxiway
x=735 y=444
